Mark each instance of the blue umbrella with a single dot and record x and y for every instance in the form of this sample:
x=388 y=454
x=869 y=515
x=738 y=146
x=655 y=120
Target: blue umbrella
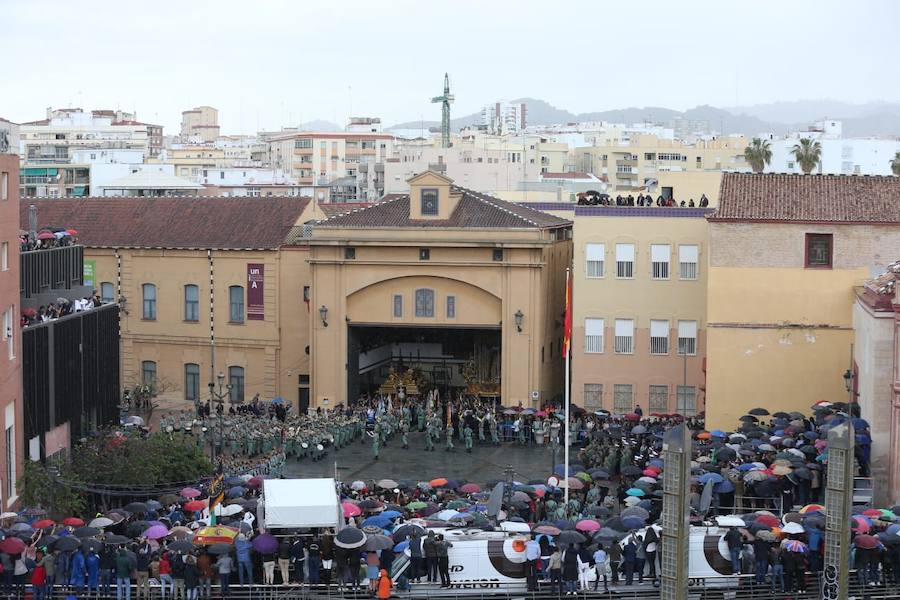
x=717 y=433
x=235 y=492
x=278 y=400
x=746 y=467
x=714 y=477
x=635 y=492
x=811 y=435
x=401 y=546
x=560 y=470
x=723 y=487
x=391 y=514
x=860 y=424
x=232 y=481
x=379 y=521
x=633 y=522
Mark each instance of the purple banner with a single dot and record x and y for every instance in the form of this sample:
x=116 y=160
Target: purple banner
x=255 y=287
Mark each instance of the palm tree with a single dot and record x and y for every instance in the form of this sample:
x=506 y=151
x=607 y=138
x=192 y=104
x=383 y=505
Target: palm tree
x=758 y=154
x=808 y=153
x=895 y=164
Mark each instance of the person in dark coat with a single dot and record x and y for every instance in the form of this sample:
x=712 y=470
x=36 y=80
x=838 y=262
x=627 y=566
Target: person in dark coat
x=629 y=560
x=191 y=576
x=570 y=570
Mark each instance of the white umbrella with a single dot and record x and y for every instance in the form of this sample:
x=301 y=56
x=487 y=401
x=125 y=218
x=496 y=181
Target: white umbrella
x=792 y=528
x=515 y=527
x=730 y=521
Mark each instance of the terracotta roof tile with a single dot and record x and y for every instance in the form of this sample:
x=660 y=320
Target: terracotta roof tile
x=809 y=198
x=189 y=222
x=473 y=210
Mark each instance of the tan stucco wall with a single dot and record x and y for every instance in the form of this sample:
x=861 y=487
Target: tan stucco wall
x=641 y=299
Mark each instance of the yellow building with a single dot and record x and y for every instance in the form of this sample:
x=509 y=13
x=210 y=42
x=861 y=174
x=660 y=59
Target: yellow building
x=207 y=285
x=638 y=164
x=200 y=123
x=785 y=254
x=465 y=289
x=190 y=161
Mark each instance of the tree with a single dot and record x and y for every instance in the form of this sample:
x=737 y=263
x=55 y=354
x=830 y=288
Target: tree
x=39 y=489
x=808 y=154
x=895 y=164
x=758 y=154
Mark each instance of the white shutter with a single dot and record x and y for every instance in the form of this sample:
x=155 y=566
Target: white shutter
x=687 y=329
x=688 y=254
x=659 y=329
x=595 y=251
x=593 y=327
x=660 y=252
x=624 y=252
x=624 y=327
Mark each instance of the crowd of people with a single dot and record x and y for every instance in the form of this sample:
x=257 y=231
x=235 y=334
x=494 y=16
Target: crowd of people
x=761 y=484
x=61 y=308
x=47 y=238
x=596 y=199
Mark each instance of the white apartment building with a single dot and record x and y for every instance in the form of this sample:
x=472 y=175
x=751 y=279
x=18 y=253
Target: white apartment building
x=501 y=118
x=200 y=124
x=52 y=138
x=840 y=155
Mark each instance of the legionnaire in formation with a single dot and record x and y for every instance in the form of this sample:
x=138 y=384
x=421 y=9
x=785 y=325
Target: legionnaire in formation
x=450 y=445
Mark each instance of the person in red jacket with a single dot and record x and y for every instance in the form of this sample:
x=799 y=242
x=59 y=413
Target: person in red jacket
x=38 y=579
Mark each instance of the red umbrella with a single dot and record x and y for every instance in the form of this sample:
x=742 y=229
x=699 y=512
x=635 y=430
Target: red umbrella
x=12 y=545
x=872 y=512
x=767 y=521
x=437 y=482
x=350 y=509
x=470 y=488
x=865 y=541
x=73 y=522
x=72 y=231
x=29 y=312
x=633 y=417
x=195 y=505
x=43 y=523
x=46 y=235
x=255 y=482
x=190 y=493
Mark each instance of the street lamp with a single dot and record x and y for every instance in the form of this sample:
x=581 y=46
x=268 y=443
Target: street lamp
x=218 y=397
x=849 y=377
x=520 y=316
x=323 y=314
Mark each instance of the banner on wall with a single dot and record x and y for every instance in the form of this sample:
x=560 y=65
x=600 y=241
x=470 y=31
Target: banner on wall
x=90 y=268
x=255 y=288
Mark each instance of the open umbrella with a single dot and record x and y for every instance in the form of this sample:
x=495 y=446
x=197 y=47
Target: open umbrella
x=379 y=521
x=377 y=543
x=546 y=528
x=635 y=492
x=195 y=505
x=350 y=538
x=865 y=541
x=41 y=524
x=793 y=528
x=156 y=532
x=136 y=507
x=219 y=549
x=588 y=525
x=181 y=546
x=759 y=412
x=73 y=522
x=190 y=493
x=387 y=484
x=116 y=540
x=13 y=545
x=99 y=522
x=470 y=488
x=635 y=511
x=265 y=543
x=633 y=522
x=85 y=532
x=217 y=534
x=569 y=537
x=66 y=543
x=405 y=531
x=352 y=510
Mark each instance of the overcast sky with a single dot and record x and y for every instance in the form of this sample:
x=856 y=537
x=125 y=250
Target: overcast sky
x=265 y=64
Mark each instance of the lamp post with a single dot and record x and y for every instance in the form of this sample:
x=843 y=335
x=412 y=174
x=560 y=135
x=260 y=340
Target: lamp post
x=520 y=317
x=849 y=377
x=554 y=442
x=218 y=398
x=323 y=314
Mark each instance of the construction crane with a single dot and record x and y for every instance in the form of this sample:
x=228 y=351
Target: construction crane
x=445 y=101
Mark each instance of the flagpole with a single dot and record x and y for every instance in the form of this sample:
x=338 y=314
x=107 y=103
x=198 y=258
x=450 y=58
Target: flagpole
x=567 y=399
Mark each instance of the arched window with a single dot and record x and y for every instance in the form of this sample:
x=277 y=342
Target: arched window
x=191 y=303
x=149 y=291
x=107 y=292
x=148 y=372
x=191 y=381
x=236 y=304
x=424 y=303
x=236 y=379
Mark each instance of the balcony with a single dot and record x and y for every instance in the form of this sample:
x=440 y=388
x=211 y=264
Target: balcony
x=623 y=170
x=45 y=271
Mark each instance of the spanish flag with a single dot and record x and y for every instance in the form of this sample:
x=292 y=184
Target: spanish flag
x=567 y=334
x=216 y=494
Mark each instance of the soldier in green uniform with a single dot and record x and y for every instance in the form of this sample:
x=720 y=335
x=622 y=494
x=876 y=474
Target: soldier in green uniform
x=430 y=435
x=420 y=417
x=404 y=434
x=450 y=445
x=376 y=439
x=467 y=435
x=495 y=435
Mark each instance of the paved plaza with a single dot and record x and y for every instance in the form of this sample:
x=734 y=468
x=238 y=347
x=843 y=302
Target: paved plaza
x=486 y=462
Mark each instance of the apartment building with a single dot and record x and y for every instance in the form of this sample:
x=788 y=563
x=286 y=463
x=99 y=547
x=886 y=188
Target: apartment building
x=499 y=118
x=323 y=157
x=477 y=160
x=52 y=139
x=636 y=164
x=200 y=124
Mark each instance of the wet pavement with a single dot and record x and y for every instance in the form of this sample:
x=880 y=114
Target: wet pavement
x=484 y=464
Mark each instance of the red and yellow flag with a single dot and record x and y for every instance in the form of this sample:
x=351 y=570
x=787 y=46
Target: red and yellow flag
x=567 y=335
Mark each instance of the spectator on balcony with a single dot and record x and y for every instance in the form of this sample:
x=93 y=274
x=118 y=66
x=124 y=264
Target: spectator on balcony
x=691 y=203
x=704 y=201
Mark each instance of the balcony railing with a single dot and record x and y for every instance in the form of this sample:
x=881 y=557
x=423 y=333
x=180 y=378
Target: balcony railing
x=51 y=269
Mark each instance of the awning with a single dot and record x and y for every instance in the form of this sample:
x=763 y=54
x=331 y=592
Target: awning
x=40 y=172
x=78 y=190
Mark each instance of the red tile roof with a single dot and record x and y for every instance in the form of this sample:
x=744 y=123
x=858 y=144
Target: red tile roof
x=333 y=209
x=809 y=198
x=473 y=210
x=572 y=175
x=189 y=222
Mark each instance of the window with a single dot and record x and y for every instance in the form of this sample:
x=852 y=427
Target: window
x=4 y=256
x=398 y=306
x=236 y=304
x=429 y=202
x=659 y=398
x=451 y=307
x=686 y=398
x=191 y=303
x=624 y=336
x=659 y=260
x=107 y=292
x=595 y=255
x=304 y=143
x=149 y=291
x=349 y=253
x=593 y=336
x=10 y=440
x=593 y=395
x=818 y=250
x=4 y=186
x=659 y=337
x=424 y=254
x=424 y=303
x=687 y=337
x=687 y=260
x=623 y=400
x=498 y=254
x=9 y=332
x=236 y=380
x=148 y=372
x=192 y=381
x=306 y=295
x=625 y=261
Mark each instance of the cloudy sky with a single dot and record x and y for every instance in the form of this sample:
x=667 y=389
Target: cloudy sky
x=267 y=63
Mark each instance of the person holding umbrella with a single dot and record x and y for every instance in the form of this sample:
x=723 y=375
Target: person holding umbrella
x=92 y=564
x=123 y=575
x=223 y=568
x=76 y=572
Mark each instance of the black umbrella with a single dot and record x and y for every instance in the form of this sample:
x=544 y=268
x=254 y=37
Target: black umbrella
x=136 y=528
x=181 y=546
x=607 y=535
x=570 y=537
x=616 y=524
x=136 y=507
x=725 y=454
x=631 y=471
x=759 y=412
x=92 y=544
x=219 y=548
x=67 y=543
x=116 y=540
x=405 y=531
x=749 y=419
x=47 y=541
x=86 y=532
x=782 y=415
x=350 y=537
